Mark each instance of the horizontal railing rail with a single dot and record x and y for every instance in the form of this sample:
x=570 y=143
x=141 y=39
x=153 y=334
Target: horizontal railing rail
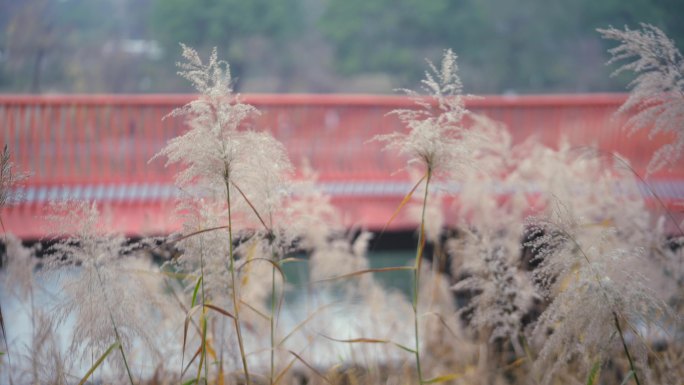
x=100 y=146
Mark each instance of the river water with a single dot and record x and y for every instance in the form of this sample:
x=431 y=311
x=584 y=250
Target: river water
x=330 y=313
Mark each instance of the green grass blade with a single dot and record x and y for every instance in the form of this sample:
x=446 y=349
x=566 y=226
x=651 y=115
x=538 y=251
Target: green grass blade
x=194 y=292
x=630 y=374
x=403 y=347
x=594 y=373
x=99 y=362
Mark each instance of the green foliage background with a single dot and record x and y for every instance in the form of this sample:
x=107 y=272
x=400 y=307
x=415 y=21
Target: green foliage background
x=525 y=46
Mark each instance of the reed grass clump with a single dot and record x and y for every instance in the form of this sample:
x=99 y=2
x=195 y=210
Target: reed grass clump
x=548 y=268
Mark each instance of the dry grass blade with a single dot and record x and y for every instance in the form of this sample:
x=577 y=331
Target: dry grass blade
x=421 y=246
x=2 y=327
x=403 y=203
x=179 y=302
x=280 y=375
x=219 y=310
x=251 y=206
x=626 y=349
x=193 y=310
x=274 y=264
x=4 y=338
x=99 y=361
x=277 y=267
x=4 y=231
x=284 y=371
x=203 y=348
x=188 y=317
x=442 y=321
x=444 y=378
x=303 y=361
x=514 y=364
x=176 y=275
x=186 y=236
x=194 y=357
x=293 y=259
x=363 y=340
x=255 y=310
x=366 y=271
x=305 y=321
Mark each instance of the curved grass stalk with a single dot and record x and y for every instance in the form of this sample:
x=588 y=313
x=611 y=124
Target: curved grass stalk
x=274 y=259
x=203 y=321
x=272 y=320
x=624 y=346
x=416 y=276
x=236 y=307
x=4 y=338
x=116 y=329
x=98 y=362
x=615 y=312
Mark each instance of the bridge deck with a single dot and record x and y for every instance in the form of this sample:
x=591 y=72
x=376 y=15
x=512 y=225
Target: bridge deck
x=97 y=147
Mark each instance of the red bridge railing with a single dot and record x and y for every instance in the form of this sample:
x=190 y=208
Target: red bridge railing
x=98 y=147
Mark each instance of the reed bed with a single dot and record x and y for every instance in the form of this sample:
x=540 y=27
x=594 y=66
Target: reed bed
x=567 y=278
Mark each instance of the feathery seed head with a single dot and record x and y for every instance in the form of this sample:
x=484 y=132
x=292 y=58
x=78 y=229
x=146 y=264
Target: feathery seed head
x=657 y=97
x=436 y=131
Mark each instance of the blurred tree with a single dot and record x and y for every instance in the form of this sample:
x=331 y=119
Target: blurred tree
x=73 y=45
x=108 y=46
x=31 y=36
x=393 y=35
x=251 y=34
x=318 y=45
x=522 y=46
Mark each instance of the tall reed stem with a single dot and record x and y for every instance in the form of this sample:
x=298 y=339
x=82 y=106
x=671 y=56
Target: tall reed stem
x=236 y=308
x=624 y=346
x=273 y=315
x=416 y=276
x=274 y=259
x=116 y=330
x=615 y=316
x=204 y=315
